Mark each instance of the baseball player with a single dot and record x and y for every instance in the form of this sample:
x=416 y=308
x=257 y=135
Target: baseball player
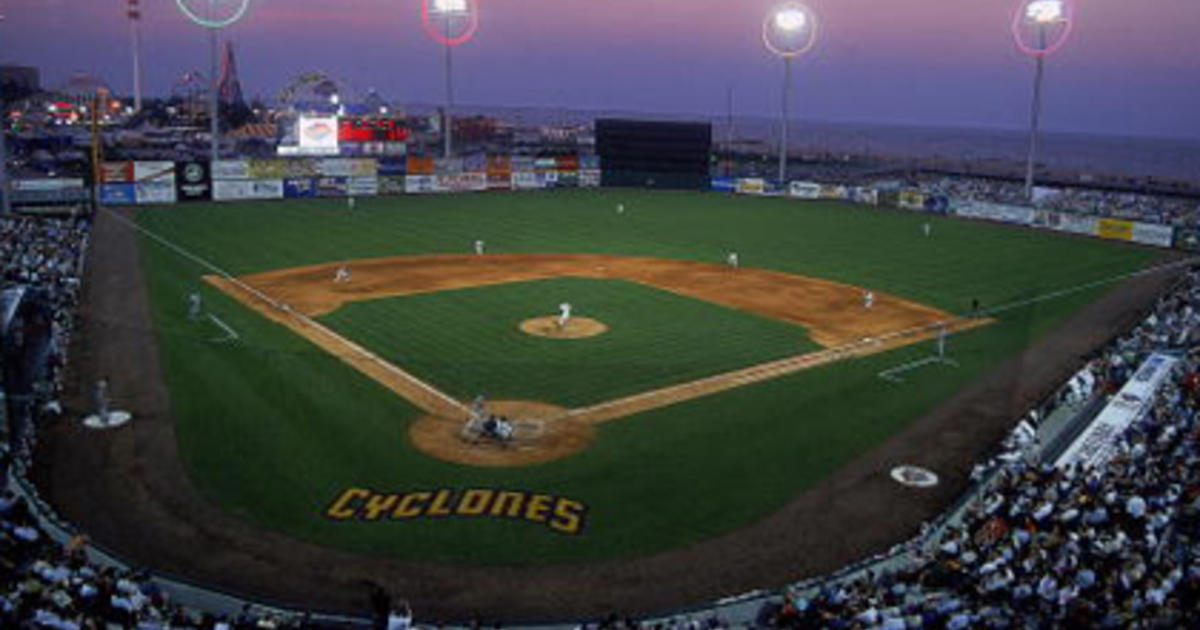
x=927 y=229
x=731 y=259
x=342 y=274
x=868 y=300
x=478 y=406
x=195 y=307
x=100 y=400
x=478 y=247
x=620 y=208
x=564 y=314
x=350 y=203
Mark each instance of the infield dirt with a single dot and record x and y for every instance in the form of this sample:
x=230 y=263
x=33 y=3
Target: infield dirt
x=835 y=315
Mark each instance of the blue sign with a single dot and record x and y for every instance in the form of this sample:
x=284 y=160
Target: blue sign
x=724 y=184
x=295 y=188
x=118 y=194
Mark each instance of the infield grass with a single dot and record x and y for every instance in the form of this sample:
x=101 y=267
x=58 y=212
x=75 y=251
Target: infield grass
x=273 y=428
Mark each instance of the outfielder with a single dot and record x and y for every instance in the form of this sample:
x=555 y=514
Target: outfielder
x=927 y=228
x=478 y=247
x=732 y=260
x=620 y=208
x=564 y=314
x=342 y=274
x=868 y=300
x=349 y=203
x=195 y=307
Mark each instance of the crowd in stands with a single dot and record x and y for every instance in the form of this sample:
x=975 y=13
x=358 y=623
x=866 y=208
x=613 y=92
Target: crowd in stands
x=1043 y=547
x=45 y=255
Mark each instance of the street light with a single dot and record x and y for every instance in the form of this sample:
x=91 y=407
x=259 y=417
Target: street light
x=458 y=20
x=213 y=15
x=1040 y=28
x=789 y=31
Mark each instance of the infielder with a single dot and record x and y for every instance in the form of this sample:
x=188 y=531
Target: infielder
x=342 y=274
x=732 y=260
x=564 y=314
x=868 y=300
x=478 y=247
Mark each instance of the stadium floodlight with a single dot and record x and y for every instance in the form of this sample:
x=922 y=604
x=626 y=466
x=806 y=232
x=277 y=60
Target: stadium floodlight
x=450 y=23
x=213 y=15
x=789 y=30
x=334 y=99
x=1040 y=28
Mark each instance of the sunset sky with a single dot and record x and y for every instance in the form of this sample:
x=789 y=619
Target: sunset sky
x=1132 y=67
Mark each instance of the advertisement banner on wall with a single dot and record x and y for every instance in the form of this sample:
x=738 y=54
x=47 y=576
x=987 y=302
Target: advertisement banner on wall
x=751 y=186
x=154 y=191
x=116 y=172
x=420 y=165
x=367 y=186
x=228 y=190
x=419 y=184
x=391 y=184
x=568 y=179
x=318 y=135
x=499 y=180
x=911 y=199
x=332 y=187
x=937 y=204
x=447 y=166
x=1020 y=215
x=864 y=195
x=567 y=163
x=230 y=169
x=299 y=187
x=545 y=164
x=279 y=169
x=392 y=166
x=461 y=182
x=117 y=194
x=590 y=178
x=522 y=163
x=589 y=161
x=192 y=181
x=1073 y=223
x=804 y=190
x=723 y=184
x=1114 y=229
x=526 y=180
x=158 y=172
x=1187 y=238
x=833 y=192
x=1153 y=234
x=1100 y=441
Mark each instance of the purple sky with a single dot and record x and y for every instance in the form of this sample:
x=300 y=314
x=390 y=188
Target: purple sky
x=949 y=62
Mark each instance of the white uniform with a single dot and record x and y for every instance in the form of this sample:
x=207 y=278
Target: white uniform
x=342 y=274
x=350 y=203
x=478 y=247
x=868 y=299
x=620 y=208
x=927 y=228
x=195 y=308
x=564 y=314
x=732 y=259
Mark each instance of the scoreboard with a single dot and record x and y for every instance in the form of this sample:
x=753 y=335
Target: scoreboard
x=372 y=130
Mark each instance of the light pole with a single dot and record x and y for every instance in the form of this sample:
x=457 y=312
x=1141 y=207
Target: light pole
x=456 y=23
x=5 y=193
x=213 y=15
x=1040 y=28
x=789 y=31
x=135 y=33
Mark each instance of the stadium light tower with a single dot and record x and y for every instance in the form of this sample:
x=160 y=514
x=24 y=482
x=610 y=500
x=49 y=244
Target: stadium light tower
x=213 y=15
x=5 y=196
x=1040 y=28
x=451 y=23
x=789 y=31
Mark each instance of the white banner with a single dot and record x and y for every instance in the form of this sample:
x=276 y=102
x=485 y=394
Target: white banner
x=419 y=184
x=1153 y=234
x=1097 y=444
x=526 y=180
x=231 y=169
x=155 y=191
x=229 y=190
x=995 y=212
x=154 y=171
x=804 y=190
x=363 y=186
x=865 y=195
x=461 y=182
x=589 y=178
x=46 y=184
x=1075 y=224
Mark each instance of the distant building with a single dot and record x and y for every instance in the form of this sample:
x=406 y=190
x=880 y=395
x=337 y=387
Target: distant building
x=22 y=80
x=229 y=86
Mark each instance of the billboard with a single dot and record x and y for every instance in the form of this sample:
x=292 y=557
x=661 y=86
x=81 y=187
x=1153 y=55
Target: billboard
x=419 y=184
x=911 y=199
x=1153 y=234
x=367 y=186
x=231 y=169
x=193 y=181
x=391 y=184
x=461 y=182
x=752 y=186
x=804 y=190
x=526 y=180
x=121 y=194
x=996 y=212
x=116 y=172
x=318 y=135
x=333 y=186
x=1115 y=229
x=299 y=187
x=154 y=191
x=248 y=189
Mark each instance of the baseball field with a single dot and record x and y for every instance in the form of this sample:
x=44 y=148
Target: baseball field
x=694 y=401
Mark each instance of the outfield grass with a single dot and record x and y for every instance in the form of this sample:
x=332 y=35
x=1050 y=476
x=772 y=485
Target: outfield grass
x=467 y=341
x=273 y=429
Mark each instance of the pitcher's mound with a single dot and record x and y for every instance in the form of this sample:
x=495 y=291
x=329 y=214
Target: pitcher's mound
x=555 y=437
x=576 y=328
